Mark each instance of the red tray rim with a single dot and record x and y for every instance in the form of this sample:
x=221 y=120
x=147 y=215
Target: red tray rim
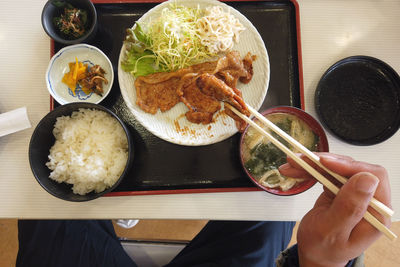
x=201 y=190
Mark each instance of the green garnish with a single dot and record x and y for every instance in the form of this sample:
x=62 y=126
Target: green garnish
x=265 y=157
x=139 y=59
x=169 y=43
x=72 y=23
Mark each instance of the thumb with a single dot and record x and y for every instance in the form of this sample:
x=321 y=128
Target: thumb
x=351 y=203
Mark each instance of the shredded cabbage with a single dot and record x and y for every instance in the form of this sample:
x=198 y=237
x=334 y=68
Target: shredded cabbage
x=180 y=37
x=175 y=37
x=170 y=42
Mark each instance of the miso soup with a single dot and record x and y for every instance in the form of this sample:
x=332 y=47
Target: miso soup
x=261 y=158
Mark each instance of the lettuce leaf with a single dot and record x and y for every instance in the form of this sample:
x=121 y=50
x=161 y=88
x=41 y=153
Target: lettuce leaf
x=139 y=59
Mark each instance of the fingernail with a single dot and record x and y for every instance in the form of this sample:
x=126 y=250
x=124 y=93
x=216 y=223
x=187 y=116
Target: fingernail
x=284 y=167
x=367 y=182
x=328 y=157
x=297 y=154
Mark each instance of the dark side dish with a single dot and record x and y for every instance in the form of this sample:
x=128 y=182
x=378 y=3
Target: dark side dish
x=72 y=23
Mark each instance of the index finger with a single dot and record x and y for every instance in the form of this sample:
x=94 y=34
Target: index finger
x=347 y=167
x=350 y=167
x=320 y=154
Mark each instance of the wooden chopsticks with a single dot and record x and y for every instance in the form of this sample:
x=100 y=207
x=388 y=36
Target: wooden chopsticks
x=378 y=206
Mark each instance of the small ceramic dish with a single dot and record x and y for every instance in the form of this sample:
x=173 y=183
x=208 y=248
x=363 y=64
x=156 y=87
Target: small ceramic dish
x=43 y=139
x=55 y=8
x=260 y=159
x=59 y=65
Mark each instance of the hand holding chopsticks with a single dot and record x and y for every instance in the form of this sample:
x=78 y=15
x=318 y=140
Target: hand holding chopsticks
x=377 y=205
x=380 y=207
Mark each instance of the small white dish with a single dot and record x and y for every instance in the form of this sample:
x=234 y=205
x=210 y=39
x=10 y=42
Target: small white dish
x=58 y=66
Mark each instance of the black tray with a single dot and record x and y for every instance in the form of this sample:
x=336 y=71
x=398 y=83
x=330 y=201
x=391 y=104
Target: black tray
x=161 y=167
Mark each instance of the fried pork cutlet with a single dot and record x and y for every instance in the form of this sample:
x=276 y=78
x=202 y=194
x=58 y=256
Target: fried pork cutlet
x=200 y=87
x=216 y=88
x=201 y=106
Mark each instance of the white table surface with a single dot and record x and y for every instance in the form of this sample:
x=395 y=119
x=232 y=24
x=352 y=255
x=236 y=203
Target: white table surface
x=330 y=31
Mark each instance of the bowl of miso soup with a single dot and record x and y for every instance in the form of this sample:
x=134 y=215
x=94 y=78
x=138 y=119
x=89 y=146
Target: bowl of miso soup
x=261 y=159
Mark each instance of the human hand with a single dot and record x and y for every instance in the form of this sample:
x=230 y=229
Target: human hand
x=334 y=231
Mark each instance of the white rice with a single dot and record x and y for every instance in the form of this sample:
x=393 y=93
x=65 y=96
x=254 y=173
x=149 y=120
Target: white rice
x=90 y=152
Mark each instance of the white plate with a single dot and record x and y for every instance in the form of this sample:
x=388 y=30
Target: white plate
x=172 y=126
x=58 y=66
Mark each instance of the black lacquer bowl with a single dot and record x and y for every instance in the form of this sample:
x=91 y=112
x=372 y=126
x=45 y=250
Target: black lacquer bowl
x=43 y=139
x=54 y=9
x=358 y=100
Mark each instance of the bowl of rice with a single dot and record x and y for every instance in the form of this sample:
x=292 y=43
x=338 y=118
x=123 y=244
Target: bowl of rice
x=80 y=151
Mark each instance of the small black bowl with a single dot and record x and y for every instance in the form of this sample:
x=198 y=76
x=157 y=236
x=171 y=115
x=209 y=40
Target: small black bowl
x=43 y=139
x=51 y=10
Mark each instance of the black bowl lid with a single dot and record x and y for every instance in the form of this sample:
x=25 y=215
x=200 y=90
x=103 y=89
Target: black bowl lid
x=358 y=100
